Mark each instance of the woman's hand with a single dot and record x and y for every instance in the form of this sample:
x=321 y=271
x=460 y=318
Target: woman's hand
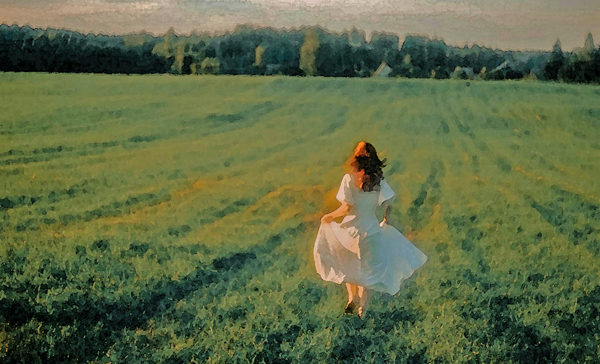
x=387 y=221
x=326 y=219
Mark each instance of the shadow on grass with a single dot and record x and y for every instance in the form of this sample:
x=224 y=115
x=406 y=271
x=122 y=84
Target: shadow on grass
x=96 y=323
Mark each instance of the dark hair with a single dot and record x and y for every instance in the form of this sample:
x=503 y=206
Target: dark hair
x=366 y=160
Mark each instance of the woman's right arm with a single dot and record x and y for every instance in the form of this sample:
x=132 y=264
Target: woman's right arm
x=341 y=211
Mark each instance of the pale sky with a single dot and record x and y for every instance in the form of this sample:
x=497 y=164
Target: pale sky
x=506 y=24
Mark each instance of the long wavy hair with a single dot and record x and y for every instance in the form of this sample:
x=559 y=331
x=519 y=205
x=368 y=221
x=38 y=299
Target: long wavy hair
x=368 y=166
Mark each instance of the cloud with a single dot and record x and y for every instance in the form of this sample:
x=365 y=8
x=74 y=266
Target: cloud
x=508 y=24
x=233 y=6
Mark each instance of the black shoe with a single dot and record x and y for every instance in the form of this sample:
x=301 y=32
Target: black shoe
x=350 y=307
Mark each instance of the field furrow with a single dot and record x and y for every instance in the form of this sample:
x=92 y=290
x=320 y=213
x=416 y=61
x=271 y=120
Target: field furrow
x=172 y=219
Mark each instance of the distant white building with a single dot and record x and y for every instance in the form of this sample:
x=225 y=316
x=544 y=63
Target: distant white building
x=383 y=71
x=504 y=64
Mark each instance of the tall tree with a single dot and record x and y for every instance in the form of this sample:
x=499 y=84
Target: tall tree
x=555 y=63
x=308 y=52
x=588 y=49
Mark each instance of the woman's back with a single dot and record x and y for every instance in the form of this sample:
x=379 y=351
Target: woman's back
x=365 y=202
x=362 y=215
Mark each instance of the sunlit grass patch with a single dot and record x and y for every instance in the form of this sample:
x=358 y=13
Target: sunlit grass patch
x=172 y=219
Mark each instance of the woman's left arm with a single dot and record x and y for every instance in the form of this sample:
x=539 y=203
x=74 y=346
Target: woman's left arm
x=341 y=211
x=387 y=206
x=386 y=214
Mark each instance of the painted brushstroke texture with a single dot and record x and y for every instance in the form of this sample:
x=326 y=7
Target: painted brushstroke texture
x=507 y=24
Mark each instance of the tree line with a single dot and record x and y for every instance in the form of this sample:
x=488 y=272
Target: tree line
x=309 y=51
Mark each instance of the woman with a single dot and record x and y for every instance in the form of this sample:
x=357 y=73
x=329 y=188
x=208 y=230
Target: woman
x=360 y=251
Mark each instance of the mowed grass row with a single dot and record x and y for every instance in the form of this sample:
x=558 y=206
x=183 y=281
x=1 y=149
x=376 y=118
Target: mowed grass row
x=172 y=219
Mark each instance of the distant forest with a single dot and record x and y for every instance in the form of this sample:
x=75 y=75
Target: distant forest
x=304 y=52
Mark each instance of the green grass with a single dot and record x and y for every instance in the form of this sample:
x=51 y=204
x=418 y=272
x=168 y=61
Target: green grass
x=172 y=219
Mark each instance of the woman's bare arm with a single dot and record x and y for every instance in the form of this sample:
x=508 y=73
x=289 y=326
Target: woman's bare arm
x=387 y=205
x=339 y=212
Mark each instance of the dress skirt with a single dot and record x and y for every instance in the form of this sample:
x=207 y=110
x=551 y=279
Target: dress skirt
x=380 y=260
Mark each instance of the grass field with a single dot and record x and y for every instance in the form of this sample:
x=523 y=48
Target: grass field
x=171 y=219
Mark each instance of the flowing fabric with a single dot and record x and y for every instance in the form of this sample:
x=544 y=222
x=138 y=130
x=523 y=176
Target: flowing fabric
x=361 y=250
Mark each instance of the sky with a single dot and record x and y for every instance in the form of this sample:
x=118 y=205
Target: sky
x=504 y=24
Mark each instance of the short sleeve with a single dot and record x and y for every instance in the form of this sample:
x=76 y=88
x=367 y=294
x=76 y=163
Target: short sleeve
x=344 y=193
x=386 y=192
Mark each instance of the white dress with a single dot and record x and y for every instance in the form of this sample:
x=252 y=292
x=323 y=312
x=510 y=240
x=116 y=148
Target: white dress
x=362 y=251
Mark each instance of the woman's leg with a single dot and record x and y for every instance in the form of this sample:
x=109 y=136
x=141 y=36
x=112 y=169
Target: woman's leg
x=352 y=292
x=352 y=298
x=364 y=298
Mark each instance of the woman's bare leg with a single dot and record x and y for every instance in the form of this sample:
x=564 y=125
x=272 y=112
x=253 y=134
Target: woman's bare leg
x=364 y=298
x=352 y=292
x=352 y=298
